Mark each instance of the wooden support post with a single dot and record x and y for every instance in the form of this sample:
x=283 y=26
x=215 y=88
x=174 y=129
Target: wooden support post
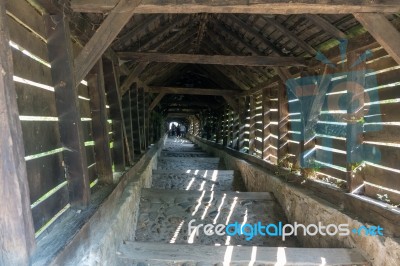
x=355 y=111
x=67 y=103
x=266 y=135
x=283 y=122
x=17 y=239
x=252 y=134
x=146 y=118
x=126 y=112
x=136 y=126
x=142 y=116
x=101 y=138
x=111 y=85
x=242 y=122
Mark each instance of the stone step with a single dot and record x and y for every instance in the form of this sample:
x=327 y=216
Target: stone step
x=164 y=216
x=200 y=163
x=184 y=154
x=174 y=254
x=193 y=180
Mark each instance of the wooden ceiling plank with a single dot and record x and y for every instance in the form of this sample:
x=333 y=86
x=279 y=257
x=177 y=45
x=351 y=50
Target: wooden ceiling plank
x=232 y=60
x=190 y=91
x=245 y=6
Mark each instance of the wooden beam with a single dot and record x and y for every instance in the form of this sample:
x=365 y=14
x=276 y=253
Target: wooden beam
x=17 y=239
x=100 y=133
x=326 y=26
x=67 y=103
x=232 y=103
x=243 y=6
x=132 y=76
x=201 y=31
x=191 y=91
x=156 y=101
x=302 y=44
x=383 y=31
x=230 y=60
x=103 y=37
x=249 y=28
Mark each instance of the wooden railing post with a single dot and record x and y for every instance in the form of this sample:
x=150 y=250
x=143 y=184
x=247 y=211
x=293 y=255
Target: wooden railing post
x=114 y=101
x=17 y=239
x=67 y=103
x=101 y=138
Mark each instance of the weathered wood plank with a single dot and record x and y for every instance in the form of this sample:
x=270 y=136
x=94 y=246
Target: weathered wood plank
x=156 y=100
x=229 y=60
x=244 y=6
x=111 y=80
x=190 y=91
x=99 y=123
x=103 y=37
x=326 y=26
x=17 y=238
x=383 y=31
x=67 y=103
x=132 y=76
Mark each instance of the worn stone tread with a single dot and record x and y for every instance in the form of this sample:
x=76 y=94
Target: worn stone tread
x=182 y=194
x=181 y=254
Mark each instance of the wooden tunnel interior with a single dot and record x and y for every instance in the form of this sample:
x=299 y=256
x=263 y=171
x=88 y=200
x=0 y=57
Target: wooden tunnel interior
x=88 y=86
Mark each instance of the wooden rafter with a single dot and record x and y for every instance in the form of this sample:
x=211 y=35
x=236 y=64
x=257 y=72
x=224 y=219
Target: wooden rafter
x=270 y=61
x=255 y=33
x=383 y=31
x=156 y=101
x=190 y=91
x=243 y=6
x=201 y=31
x=135 y=30
x=103 y=37
x=326 y=26
x=305 y=46
x=131 y=78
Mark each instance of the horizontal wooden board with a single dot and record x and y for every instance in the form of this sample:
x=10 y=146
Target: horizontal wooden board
x=87 y=130
x=388 y=156
x=83 y=91
x=387 y=113
x=382 y=194
x=19 y=34
x=331 y=157
x=332 y=143
x=35 y=102
x=27 y=68
x=28 y=15
x=44 y=174
x=50 y=207
x=331 y=130
x=84 y=107
x=294 y=148
x=333 y=172
x=40 y=136
x=381 y=63
x=381 y=177
x=258 y=145
x=388 y=133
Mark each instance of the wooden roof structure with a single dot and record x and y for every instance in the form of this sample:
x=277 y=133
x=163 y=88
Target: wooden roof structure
x=234 y=45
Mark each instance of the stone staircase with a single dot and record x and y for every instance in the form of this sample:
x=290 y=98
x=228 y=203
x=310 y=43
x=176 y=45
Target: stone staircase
x=191 y=187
